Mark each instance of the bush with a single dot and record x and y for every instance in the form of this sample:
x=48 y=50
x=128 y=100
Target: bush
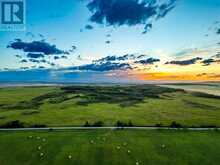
x=122 y=124
x=208 y=126
x=130 y=124
x=13 y=124
x=159 y=125
x=38 y=126
x=175 y=125
x=87 y=124
x=98 y=124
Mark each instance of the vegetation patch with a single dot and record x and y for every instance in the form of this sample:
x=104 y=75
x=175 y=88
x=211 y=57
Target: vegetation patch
x=201 y=105
x=123 y=95
x=13 y=124
x=95 y=124
x=124 y=124
x=205 y=95
x=30 y=112
x=2 y=117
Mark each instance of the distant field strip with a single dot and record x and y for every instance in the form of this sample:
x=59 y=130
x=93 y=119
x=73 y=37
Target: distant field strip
x=205 y=88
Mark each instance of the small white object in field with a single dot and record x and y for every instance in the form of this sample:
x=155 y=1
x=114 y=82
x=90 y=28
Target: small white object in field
x=41 y=154
x=118 y=147
x=91 y=141
x=129 y=151
x=38 y=137
x=39 y=147
x=44 y=140
x=69 y=157
x=124 y=144
x=30 y=137
x=163 y=146
x=137 y=163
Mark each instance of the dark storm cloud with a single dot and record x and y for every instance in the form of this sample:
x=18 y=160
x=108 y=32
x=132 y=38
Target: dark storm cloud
x=218 y=31
x=63 y=57
x=215 y=76
x=51 y=63
x=29 y=34
x=41 y=67
x=127 y=57
x=23 y=61
x=217 y=55
x=202 y=74
x=108 y=66
x=129 y=12
x=34 y=61
x=89 y=27
x=210 y=61
x=73 y=48
x=36 y=47
x=108 y=35
x=24 y=68
x=185 y=62
x=119 y=58
x=41 y=35
x=56 y=57
x=141 y=56
x=106 y=59
x=148 y=61
x=35 y=55
x=18 y=56
x=43 y=61
x=147 y=28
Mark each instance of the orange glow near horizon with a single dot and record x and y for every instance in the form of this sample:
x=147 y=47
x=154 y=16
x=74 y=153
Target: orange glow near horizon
x=177 y=73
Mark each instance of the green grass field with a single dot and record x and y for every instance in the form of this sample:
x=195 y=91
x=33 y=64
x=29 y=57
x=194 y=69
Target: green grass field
x=106 y=147
x=144 y=105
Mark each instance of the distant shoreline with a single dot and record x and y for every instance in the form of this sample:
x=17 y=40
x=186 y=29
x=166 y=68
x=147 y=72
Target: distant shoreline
x=35 y=84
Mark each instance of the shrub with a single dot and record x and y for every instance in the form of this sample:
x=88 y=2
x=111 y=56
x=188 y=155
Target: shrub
x=208 y=126
x=123 y=124
x=175 y=125
x=130 y=124
x=87 y=124
x=38 y=126
x=98 y=124
x=2 y=117
x=159 y=125
x=13 y=124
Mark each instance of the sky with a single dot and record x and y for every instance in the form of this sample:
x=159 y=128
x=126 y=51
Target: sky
x=114 y=41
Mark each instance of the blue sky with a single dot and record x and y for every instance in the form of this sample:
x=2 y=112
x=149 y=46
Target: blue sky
x=189 y=26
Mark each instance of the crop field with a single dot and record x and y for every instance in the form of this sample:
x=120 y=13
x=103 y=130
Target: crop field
x=139 y=105
x=110 y=147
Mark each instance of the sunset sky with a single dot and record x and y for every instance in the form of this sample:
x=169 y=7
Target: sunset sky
x=114 y=41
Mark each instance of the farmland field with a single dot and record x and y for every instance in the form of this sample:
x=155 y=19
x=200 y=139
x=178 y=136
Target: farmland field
x=110 y=147
x=143 y=105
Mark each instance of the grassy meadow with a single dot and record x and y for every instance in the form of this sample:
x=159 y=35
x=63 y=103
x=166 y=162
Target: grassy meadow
x=110 y=147
x=143 y=105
